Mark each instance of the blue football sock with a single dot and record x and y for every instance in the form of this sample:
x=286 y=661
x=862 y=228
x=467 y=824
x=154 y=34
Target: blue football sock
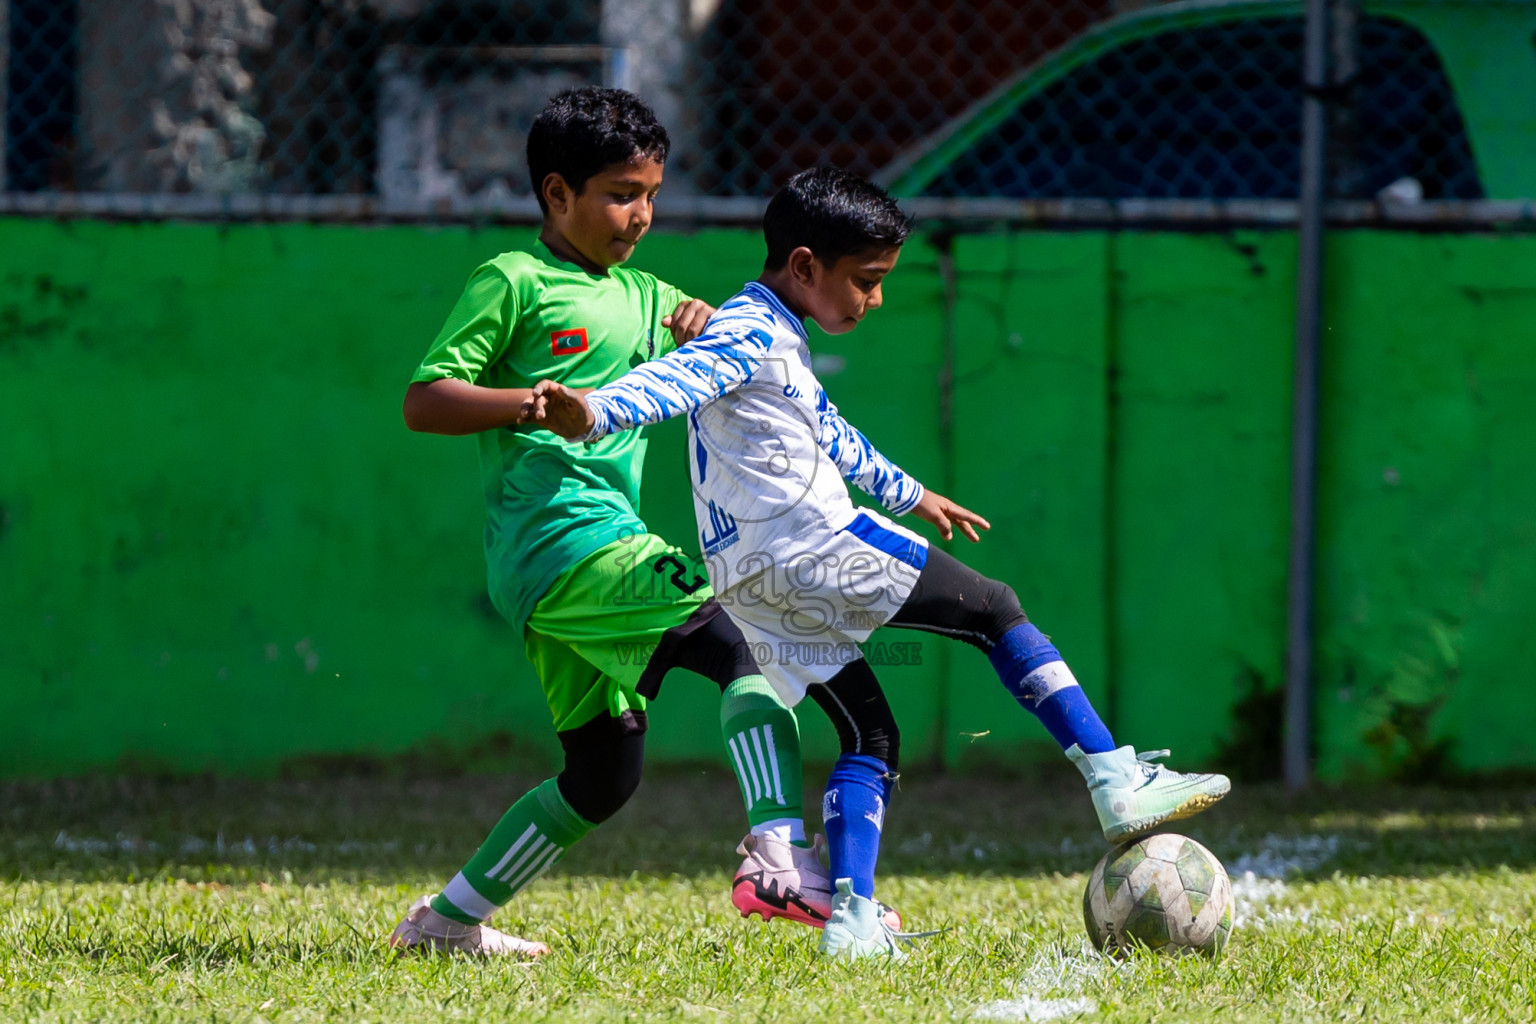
x=1032 y=670
x=854 y=812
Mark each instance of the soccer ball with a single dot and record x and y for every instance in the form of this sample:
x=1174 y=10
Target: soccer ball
x=1165 y=892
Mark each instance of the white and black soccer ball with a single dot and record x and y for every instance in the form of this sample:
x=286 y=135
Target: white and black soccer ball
x=1164 y=892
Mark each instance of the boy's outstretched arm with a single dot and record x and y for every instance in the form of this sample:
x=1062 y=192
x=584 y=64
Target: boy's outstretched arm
x=688 y=320
x=682 y=381
x=449 y=405
x=452 y=406
x=877 y=476
x=945 y=515
x=561 y=410
x=862 y=464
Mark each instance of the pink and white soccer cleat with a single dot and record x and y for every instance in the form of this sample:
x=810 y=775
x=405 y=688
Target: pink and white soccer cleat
x=426 y=930
x=780 y=879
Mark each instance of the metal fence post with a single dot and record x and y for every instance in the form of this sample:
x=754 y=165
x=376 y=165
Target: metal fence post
x=1309 y=294
x=944 y=245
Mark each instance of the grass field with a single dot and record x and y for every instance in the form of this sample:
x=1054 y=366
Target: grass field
x=225 y=901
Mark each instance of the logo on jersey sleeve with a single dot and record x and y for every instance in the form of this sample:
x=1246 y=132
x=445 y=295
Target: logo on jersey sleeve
x=568 y=343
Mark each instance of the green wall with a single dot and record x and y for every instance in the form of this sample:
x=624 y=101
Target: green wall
x=221 y=549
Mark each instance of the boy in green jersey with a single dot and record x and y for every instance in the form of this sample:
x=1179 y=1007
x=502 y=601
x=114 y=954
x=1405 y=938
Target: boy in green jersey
x=569 y=562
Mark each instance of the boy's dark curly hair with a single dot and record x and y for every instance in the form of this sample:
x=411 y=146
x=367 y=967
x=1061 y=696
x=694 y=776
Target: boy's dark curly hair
x=581 y=131
x=833 y=213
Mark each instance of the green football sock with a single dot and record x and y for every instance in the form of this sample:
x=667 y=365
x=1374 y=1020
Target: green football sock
x=762 y=739
x=530 y=837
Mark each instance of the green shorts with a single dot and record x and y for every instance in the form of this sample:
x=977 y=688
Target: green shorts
x=593 y=632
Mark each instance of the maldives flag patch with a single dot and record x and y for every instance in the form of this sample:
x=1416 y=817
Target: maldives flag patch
x=568 y=343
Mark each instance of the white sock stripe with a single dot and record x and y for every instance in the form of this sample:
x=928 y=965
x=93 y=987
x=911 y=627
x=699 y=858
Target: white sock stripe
x=742 y=772
x=773 y=762
x=511 y=852
x=1049 y=678
x=534 y=849
x=531 y=851
x=762 y=761
x=530 y=872
x=742 y=775
x=467 y=898
x=536 y=868
x=741 y=769
x=755 y=756
x=750 y=766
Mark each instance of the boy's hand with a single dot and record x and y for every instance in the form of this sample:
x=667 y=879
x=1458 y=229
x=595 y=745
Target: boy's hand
x=561 y=409
x=945 y=515
x=687 y=321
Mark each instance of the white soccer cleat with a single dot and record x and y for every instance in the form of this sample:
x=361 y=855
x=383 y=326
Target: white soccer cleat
x=426 y=930
x=780 y=879
x=859 y=928
x=1132 y=796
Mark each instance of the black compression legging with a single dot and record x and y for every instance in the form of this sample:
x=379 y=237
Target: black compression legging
x=604 y=757
x=859 y=711
x=603 y=760
x=949 y=598
x=709 y=643
x=954 y=600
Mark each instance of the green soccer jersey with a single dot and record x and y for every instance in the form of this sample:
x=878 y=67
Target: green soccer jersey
x=524 y=317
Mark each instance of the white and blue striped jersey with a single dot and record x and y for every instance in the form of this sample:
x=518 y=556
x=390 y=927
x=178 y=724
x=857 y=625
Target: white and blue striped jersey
x=768 y=450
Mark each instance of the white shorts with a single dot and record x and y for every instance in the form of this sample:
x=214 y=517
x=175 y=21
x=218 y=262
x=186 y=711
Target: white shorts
x=805 y=614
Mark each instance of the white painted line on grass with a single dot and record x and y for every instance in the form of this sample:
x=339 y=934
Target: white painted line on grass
x=1050 y=989
x=1030 y=1008
x=1283 y=856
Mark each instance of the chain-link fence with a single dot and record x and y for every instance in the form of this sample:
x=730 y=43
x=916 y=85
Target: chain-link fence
x=430 y=100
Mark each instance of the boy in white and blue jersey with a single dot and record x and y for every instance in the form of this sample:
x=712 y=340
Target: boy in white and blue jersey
x=806 y=574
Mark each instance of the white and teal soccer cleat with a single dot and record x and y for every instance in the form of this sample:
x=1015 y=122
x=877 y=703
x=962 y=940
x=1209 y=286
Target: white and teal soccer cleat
x=1133 y=796
x=860 y=928
x=425 y=930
